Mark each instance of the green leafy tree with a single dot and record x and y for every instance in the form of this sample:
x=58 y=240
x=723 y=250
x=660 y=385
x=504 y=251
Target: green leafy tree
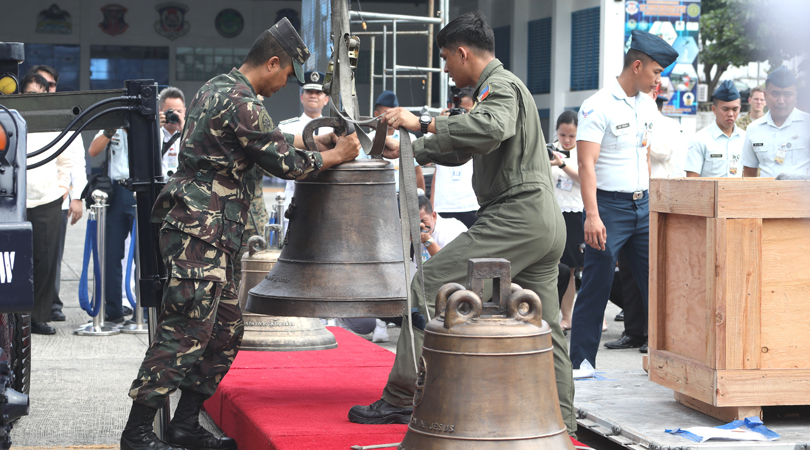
x=730 y=35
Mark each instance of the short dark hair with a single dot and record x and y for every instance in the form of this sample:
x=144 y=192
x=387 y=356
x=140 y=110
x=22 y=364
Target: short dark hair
x=470 y=29
x=171 y=92
x=756 y=89
x=567 y=117
x=634 y=55
x=424 y=203
x=265 y=47
x=33 y=78
x=50 y=70
x=466 y=92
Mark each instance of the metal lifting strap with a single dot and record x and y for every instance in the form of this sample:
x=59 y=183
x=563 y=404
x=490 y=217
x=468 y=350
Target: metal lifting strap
x=409 y=217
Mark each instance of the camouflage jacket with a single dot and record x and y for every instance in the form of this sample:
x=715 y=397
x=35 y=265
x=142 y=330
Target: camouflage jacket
x=228 y=131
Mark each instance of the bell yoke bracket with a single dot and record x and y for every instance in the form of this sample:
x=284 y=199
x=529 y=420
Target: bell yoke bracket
x=497 y=269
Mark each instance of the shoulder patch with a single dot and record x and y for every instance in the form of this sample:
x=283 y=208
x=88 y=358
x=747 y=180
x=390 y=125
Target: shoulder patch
x=484 y=93
x=289 y=121
x=265 y=122
x=585 y=114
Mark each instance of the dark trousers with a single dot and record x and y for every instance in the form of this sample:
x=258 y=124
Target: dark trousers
x=627 y=223
x=46 y=222
x=120 y=214
x=60 y=248
x=633 y=303
x=468 y=218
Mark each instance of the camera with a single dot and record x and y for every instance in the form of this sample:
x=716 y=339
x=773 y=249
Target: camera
x=172 y=116
x=455 y=94
x=550 y=148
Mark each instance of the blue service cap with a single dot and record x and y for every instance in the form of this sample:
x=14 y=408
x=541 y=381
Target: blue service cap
x=781 y=78
x=654 y=47
x=388 y=99
x=726 y=92
x=313 y=80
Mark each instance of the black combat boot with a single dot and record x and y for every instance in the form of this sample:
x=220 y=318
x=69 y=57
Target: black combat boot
x=138 y=433
x=185 y=429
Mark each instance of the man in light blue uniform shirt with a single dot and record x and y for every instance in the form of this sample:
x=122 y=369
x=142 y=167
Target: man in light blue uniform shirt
x=715 y=151
x=779 y=142
x=613 y=138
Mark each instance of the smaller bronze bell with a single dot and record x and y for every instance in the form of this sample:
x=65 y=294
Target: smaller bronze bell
x=486 y=381
x=273 y=333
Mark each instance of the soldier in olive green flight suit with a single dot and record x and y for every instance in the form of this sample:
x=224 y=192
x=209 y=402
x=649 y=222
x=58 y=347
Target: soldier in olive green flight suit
x=519 y=219
x=203 y=210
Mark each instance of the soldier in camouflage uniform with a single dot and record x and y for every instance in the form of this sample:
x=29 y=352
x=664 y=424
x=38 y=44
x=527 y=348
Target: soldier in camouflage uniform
x=257 y=218
x=203 y=210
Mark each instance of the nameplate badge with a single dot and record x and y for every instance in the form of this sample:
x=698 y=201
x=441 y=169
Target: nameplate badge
x=622 y=126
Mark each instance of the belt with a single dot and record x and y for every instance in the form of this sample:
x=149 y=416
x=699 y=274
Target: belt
x=638 y=195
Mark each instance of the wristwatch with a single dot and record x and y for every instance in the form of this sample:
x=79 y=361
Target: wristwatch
x=425 y=120
x=562 y=166
x=428 y=243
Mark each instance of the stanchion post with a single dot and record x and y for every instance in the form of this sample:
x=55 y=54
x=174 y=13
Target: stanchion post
x=138 y=327
x=280 y=210
x=98 y=328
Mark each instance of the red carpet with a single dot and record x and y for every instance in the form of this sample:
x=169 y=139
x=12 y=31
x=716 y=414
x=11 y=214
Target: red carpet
x=300 y=400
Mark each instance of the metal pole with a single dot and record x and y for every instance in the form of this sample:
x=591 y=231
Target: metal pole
x=280 y=198
x=97 y=328
x=380 y=33
x=443 y=79
x=394 y=78
x=385 y=56
x=429 y=84
x=371 y=78
x=138 y=327
x=369 y=16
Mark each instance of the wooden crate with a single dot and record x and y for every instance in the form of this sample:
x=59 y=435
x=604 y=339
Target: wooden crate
x=729 y=302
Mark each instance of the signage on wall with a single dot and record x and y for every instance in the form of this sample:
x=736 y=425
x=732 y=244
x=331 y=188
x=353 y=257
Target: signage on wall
x=229 y=23
x=54 y=21
x=172 y=23
x=113 y=23
x=678 y=23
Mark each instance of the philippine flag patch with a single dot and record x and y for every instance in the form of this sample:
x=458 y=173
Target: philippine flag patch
x=484 y=94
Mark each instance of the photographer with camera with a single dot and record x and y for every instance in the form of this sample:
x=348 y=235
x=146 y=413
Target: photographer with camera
x=172 y=105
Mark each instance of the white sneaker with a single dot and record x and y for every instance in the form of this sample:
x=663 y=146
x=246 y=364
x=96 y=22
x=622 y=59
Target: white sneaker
x=380 y=333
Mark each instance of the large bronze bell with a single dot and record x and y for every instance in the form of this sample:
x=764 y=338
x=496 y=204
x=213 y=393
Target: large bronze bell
x=272 y=333
x=343 y=249
x=486 y=381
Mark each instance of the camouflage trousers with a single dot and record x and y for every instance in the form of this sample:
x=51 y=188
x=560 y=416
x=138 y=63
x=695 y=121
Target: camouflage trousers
x=200 y=329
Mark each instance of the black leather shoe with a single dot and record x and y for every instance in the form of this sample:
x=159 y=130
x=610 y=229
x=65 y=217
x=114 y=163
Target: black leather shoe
x=42 y=328
x=626 y=342
x=126 y=310
x=138 y=433
x=57 y=316
x=380 y=412
x=643 y=348
x=619 y=317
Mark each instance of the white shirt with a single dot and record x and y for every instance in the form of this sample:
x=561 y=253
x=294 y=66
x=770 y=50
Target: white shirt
x=119 y=155
x=668 y=148
x=618 y=123
x=169 y=160
x=47 y=183
x=567 y=190
x=444 y=231
x=296 y=126
x=453 y=186
x=713 y=154
x=764 y=141
x=395 y=162
x=78 y=173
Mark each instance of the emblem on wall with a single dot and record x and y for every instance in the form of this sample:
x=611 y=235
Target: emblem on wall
x=54 y=21
x=172 y=23
x=291 y=15
x=229 y=23
x=113 y=23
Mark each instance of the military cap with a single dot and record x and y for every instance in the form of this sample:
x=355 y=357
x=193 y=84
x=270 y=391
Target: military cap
x=654 y=47
x=726 y=92
x=291 y=42
x=781 y=78
x=313 y=80
x=388 y=99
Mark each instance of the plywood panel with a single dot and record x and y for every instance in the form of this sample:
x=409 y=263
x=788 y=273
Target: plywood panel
x=686 y=308
x=763 y=198
x=763 y=387
x=657 y=285
x=718 y=227
x=722 y=413
x=785 y=315
x=693 y=196
x=743 y=280
x=683 y=375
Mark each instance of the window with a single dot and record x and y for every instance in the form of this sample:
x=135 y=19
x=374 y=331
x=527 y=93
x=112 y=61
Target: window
x=111 y=65
x=204 y=63
x=63 y=58
x=585 y=31
x=539 y=65
x=503 y=44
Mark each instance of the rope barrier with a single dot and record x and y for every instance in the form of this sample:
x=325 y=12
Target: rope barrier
x=130 y=260
x=90 y=246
